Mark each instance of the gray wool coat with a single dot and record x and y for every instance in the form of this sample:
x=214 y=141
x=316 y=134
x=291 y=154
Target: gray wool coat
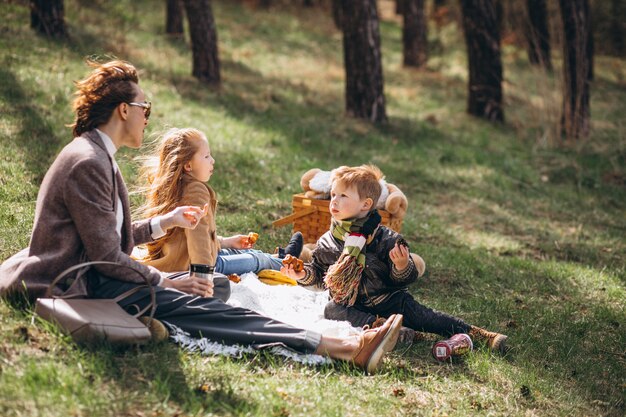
x=75 y=222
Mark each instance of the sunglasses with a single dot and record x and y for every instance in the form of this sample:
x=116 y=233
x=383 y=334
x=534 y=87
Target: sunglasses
x=147 y=106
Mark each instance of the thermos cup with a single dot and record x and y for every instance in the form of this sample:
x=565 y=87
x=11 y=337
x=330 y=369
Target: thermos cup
x=201 y=271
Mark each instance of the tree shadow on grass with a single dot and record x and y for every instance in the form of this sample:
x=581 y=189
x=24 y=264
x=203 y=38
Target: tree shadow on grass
x=558 y=324
x=309 y=122
x=159 y=364
x=35 y=135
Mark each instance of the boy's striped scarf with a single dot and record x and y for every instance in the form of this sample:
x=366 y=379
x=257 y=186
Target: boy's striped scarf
x=344 y=276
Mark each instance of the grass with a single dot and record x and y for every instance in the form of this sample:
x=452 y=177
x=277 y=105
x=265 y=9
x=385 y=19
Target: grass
x=519 y=235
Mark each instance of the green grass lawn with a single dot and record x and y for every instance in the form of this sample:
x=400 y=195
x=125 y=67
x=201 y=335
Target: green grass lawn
x=519 y=235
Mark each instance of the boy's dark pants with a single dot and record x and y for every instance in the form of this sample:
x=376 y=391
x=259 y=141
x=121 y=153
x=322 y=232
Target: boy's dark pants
x=416 y=316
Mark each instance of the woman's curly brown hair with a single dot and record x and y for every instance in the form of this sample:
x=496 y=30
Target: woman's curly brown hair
x=98 y=95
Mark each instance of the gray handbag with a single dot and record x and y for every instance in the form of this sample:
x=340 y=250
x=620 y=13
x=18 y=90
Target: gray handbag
x=91 y=321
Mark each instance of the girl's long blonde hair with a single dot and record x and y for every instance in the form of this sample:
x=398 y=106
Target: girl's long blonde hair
x=164 y=175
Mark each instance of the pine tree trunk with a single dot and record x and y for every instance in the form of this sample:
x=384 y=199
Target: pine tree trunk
x=400 y=6
x=617 y=28
x=577 y=67
x=174 y=18
x=206 y=64
x=481 y=25
x=336 y=11
x=537 y=34
x=362 y=58
x=415 y=34
x=48 y=18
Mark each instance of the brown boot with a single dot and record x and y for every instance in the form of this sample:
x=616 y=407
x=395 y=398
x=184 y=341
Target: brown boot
x=376 y=342
x=158 y=331
x=495 y=341
x=406 y=336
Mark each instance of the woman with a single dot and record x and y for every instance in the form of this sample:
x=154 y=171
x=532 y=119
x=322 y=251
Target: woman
x=82 y=213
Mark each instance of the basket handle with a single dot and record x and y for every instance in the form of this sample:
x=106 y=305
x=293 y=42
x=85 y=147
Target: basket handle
x=290 y=219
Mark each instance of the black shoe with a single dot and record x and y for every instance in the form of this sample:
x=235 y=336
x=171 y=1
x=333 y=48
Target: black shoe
x=294 y=247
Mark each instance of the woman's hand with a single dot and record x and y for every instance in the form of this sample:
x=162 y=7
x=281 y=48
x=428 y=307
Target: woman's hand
x=184 y=216
x=399 y=256
x=291 y=273
x=237 y=242
x=190 y=285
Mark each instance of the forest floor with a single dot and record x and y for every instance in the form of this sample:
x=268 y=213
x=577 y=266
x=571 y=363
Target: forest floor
x=520 y=233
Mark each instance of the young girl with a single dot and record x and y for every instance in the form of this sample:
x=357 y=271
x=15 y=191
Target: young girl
x=184 y=166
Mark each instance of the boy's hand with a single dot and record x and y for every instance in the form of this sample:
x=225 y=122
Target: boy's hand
x=291 y=273
x=399 y=255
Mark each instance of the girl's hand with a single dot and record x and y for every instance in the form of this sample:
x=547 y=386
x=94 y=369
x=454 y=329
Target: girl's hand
x=190 y=285
x=289 y=271
x=184 y=216
x=399 y=256
x=237 y=242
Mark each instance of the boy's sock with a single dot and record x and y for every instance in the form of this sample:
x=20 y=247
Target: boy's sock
x=407 y=336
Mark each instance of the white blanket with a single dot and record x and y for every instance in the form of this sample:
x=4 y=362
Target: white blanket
x=294 y=305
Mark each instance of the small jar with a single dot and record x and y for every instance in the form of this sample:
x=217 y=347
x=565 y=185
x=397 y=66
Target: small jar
x=201 y=271
x=459 y=344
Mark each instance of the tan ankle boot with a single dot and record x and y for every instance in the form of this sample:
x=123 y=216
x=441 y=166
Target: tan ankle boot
x=157 y=329
x=406 y=335
x=495 y=341
x=376 y=342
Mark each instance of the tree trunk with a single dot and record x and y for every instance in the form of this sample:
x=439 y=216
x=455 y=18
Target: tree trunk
x=307 y=3
x=174 y=18
x=537 y=34
x=617 y=28
x=400 y=6
x=47 y=18
x=577 y=64
x=481 y=25
x=206 y=64
x=336 y=10
x=362 y=59
x=415 y=34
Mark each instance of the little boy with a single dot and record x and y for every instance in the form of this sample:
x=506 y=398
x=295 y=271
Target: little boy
x=367 y=267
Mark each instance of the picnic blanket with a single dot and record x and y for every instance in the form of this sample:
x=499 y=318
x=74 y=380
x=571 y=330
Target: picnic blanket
x=294 y=305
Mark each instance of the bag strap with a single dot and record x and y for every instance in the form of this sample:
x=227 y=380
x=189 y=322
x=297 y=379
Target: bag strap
x=133 y=291
x=151 y=306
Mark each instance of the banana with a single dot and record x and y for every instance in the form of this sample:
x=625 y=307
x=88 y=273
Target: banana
x=271 y=277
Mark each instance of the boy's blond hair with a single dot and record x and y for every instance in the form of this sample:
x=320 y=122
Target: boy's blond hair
x=365 y=178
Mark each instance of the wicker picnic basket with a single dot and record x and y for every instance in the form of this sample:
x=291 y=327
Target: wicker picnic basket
x=311 y=217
